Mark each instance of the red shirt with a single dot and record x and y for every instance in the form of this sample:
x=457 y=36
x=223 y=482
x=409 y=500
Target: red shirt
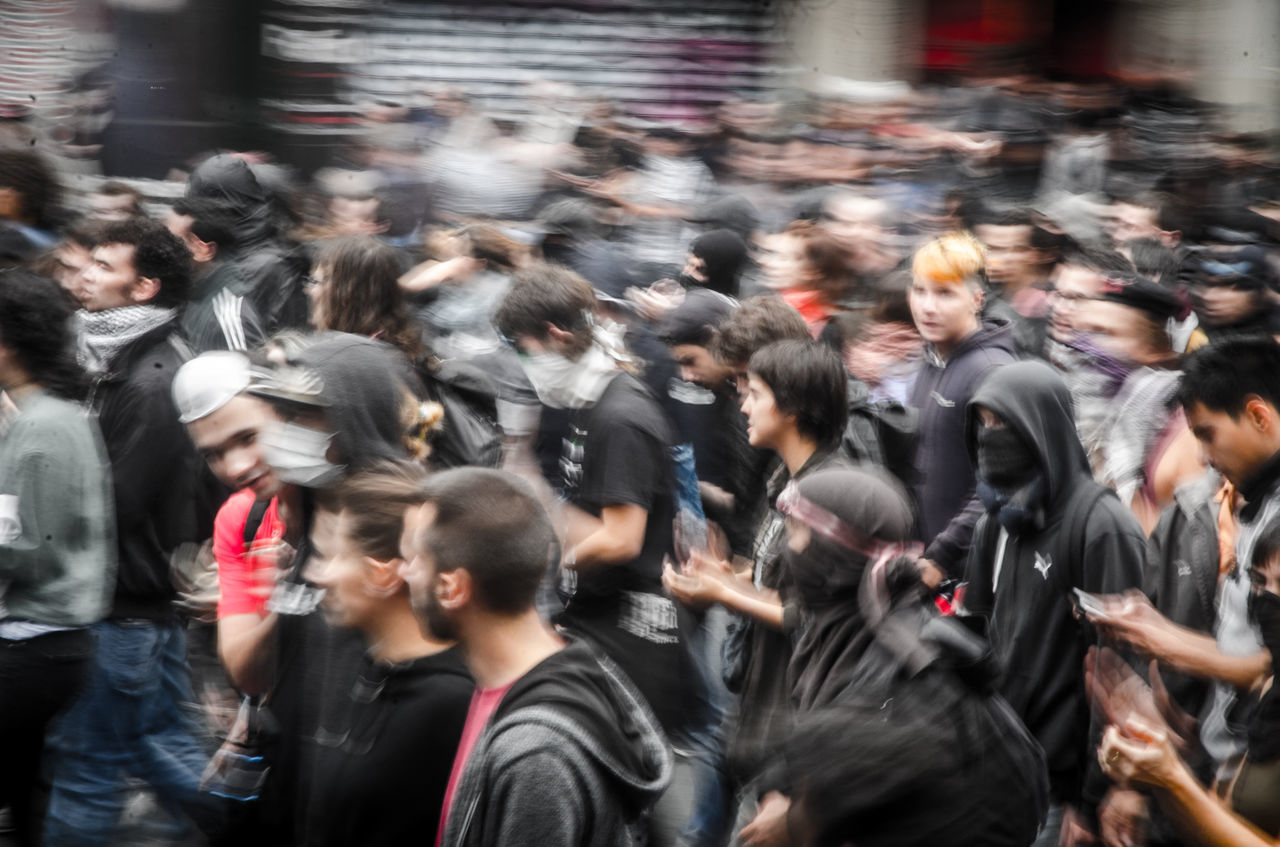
x=484 y=702
x=236 y=565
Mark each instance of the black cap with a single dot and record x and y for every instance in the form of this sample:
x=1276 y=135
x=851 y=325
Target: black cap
x=1246 y=268
x=1142 y=294
x=696 y=319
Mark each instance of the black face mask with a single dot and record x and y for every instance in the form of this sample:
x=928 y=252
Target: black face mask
x=1264 y=610
x=1005 y=461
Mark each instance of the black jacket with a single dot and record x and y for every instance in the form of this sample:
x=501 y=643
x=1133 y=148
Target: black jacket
x=221 y=317
x=571 y=757
x=1039 y=643
x=943 y=487
x=154 y=469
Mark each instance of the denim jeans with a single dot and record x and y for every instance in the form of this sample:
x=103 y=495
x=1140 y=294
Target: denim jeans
x=706 y=826
x=128 y=721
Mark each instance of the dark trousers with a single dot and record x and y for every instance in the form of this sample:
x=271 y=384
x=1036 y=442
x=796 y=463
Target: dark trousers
x=38 y=677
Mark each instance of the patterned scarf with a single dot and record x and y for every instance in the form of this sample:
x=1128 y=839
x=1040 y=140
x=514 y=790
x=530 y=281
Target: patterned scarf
x=104 y=334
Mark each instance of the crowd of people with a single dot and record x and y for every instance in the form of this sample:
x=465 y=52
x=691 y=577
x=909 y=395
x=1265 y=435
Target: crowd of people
x=883 y=473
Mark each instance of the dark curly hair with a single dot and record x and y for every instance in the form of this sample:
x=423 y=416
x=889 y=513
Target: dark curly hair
x=157 y=254
x=36 y=327
x=28 y=174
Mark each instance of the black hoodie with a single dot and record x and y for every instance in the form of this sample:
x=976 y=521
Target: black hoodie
x=272 y=270
x=1038 y=641
x=571 y=757
x=944 y=472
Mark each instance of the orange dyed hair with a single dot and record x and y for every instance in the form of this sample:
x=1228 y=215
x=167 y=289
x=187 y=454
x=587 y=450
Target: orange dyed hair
x=954 y=257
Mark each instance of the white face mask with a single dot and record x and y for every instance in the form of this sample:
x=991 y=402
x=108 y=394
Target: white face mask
x=297 y=454
x=565 y=384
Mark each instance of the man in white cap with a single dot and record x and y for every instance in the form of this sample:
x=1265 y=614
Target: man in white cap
x=225 y=422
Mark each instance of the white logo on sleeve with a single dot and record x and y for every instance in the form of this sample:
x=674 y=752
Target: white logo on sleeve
x=1043 y=563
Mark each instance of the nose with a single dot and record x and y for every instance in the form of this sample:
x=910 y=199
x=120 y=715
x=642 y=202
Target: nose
x=686 y=373
x=239 y=463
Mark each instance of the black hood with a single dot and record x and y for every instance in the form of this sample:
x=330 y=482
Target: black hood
x=599 y=710
x=1032 y=399
x=230 y=181
x=365 y=384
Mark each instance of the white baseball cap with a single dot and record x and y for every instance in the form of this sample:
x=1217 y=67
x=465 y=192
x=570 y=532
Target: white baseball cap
x=208 y=382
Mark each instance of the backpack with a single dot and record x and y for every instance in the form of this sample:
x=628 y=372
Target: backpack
x=469 y=435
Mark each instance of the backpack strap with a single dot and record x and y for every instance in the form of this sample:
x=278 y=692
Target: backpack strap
x=254 y=520
x=1070 y=546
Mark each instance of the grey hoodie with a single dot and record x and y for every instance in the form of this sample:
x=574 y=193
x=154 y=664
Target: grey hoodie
x=573 y=756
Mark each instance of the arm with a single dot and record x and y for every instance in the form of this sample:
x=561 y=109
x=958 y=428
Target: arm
x=617 y=536
x=708 y=581
x=947 y=550
x=1133 y=620
x=145 y=444
x=244 y=646
x=1138 y=754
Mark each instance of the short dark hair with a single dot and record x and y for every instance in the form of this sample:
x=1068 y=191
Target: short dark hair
x=211 y=221
x=1097 y=260
x=1154 y=260
x=1221 y=377
x=375 y=502
x=157 y=254
x=808 y=380
x=1267 y=545
x=491 y=523
x=36 y=327
x=544 y=294
x=759 y=321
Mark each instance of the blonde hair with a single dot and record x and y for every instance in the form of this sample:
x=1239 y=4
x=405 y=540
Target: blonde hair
x=955 y=257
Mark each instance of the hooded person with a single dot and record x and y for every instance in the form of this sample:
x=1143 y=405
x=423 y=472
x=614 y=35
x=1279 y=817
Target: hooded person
x=1231 y=292
x=877 y=664
x=848 y=516
x=343 y=404
x=716 y=260
x=273 y=274
x=1048 y=529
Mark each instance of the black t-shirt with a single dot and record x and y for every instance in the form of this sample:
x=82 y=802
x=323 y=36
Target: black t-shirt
x=618 y=453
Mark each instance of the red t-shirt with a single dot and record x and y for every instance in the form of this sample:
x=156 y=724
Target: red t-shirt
x=236 y=565
x=484 y=702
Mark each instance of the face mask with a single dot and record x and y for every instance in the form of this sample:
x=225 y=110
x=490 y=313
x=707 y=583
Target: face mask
x=565 y=384
x=1264 y=610
x=298 y=455
x=1110 y=369
x=1005 y=460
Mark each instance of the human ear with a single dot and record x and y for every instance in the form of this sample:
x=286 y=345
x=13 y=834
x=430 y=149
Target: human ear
x=144 y=290
x=382 y=578
x=453 y=589
x=1260 y=414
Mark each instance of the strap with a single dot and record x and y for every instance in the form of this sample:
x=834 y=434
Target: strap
x=1071 y=536
x=254 y=520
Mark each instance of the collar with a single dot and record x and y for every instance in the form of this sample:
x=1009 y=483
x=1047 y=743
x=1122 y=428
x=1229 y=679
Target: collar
x=1255 y=490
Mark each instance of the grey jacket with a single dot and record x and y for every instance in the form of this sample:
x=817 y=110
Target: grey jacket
x=1182 y=573
x=59 y=558
x=572 y=758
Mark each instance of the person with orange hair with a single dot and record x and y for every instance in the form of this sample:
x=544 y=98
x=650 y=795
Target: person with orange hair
x=962 y=346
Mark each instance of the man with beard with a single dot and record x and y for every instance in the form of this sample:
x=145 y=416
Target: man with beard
x=558 y=748
x=1048 y=529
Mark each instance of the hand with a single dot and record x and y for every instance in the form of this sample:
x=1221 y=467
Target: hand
x=1122 y=818
x=694 y=589
x=1075 y=831
x=1132 y=620
x=1116 y=692
x=1135 y=753
x=769 y=827
x=930 y=574
x=655 y=301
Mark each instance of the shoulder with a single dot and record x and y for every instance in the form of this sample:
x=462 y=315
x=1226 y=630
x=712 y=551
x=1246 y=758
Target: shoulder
x=234 y=512
x=629 y=404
